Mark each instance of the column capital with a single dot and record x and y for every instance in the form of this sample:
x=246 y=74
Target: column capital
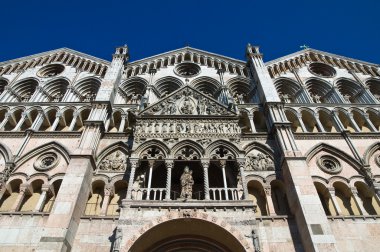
x=169 y=163
x=108 y=190
x=205 y=163
x=134 y=162
x=241 y=162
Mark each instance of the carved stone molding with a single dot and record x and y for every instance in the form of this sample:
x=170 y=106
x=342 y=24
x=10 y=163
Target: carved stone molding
x=329 y=164
x=46 y=161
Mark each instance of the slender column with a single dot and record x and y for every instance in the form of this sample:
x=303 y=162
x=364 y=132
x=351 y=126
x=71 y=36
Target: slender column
x=223 y=166
x=56 y=121
x=299 y=116
x=205 y=165
x=6 y=119
x=319 y=124
x=22 y=120
x=151 y=164
x=268 y=193
x=169 y=166
x=241 y=163
x=23 y=190
x=358 y=201
x=356 y=127
x=334 y=201
x=122 y=123
x=134 y=162
x=369 y=123
x=41 y=201
x=107 y=124
x=38 y=121
x=108 y=192
x=73 y=122
x=252 y=124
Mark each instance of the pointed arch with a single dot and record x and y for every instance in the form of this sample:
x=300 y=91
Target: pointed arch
x=370 y=151
x=152 y=143
x=43 y=148
x=122 y=146
x=6 y=152
x=187 y=143
x=231 y=147
x=260 y=147
x=334 y=152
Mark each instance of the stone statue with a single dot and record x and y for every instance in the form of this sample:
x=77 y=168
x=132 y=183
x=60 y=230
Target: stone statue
x=255 y=240
x=347 y=98
x=187 y=107
x=187 y=183
x=134 y=98
x=316 y=98
x=285 y=98
x=118 y=237
x=201 y=106
x=172 y=108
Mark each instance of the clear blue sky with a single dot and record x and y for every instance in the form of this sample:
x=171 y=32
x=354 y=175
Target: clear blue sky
x=350 y=28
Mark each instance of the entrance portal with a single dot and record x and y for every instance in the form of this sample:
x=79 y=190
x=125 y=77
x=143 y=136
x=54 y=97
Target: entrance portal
x=187 y=235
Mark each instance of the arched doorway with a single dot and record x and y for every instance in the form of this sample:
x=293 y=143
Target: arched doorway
x=187 y=234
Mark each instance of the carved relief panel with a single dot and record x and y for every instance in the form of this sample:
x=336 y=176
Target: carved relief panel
x=258 y=161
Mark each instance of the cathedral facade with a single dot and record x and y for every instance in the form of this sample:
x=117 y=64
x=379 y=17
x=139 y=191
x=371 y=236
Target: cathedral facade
x=189 y=151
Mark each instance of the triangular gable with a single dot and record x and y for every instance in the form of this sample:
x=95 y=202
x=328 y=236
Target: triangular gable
x=187 y=49
x=300 y=58
x=63 y=55
x=187 y=102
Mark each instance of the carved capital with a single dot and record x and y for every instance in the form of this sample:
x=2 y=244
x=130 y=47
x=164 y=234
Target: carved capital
x=134 y=162
x=169 y=163
x=241 y=162
x=205 y=163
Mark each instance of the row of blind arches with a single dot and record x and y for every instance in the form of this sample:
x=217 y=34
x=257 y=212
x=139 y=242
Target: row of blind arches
x=319 y=91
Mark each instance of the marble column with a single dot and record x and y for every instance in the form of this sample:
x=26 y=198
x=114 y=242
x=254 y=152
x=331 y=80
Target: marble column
x=134 y=162
x=206 y=165
x=45 y=191
x=223 y=166
x=108 y=192
x=169 y=166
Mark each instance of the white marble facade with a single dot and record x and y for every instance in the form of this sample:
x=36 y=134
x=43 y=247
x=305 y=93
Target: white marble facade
x=189 y=149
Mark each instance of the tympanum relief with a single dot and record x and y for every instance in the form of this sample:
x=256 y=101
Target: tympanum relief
x=114 y=162
x=258 y=161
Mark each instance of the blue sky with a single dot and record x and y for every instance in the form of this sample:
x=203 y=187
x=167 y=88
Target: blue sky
x=349 y=28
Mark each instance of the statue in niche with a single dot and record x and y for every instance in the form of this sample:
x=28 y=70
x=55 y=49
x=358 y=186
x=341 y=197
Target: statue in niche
x=114 y=162
x=347 y=98
x=316 y=98
x=187 y=183
x=179 y=128
x=157 y=128
x=164 y=128
x=89 y=97
x=259 y=162
x=139 y=128
x=187 y=107
x=172 y=128
x=26 y=97
x=58 y=97
x=201 y=106
x=285 y=98
x=135 y=98
x=239 y=98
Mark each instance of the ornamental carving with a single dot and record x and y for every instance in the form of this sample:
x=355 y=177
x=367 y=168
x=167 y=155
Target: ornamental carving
x=46 y=161
x=116 y=161
x=329 y=164
x=187 y=101
x=259 y=162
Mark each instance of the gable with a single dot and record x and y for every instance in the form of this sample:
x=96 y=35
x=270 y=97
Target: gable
x=66 y=56
x=187 y=102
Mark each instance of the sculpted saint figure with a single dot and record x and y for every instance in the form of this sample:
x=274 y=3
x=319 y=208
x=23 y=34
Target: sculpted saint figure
x=187 y=183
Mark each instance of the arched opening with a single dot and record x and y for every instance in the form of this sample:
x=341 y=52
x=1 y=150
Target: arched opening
x=50 y=198
x=56 y=89
x=370 y=204
x=29 y=202
x=295 y=125
x=360 y=121
x=350 y=91
x=320 y=92
x=374 y=87
x=120 y=193
x=87 y=88
x=374 y=118
x=280 y=201
x=326 y=121
x=10 y=196
x=345 y=200
x=95 y=200
x=259 y=121
x=346 y=123
x=289 y=91
x=24 y=90
x=184 y=235
x=309 y=121
x=197 y=174
x=257 y=194
x=324 y=196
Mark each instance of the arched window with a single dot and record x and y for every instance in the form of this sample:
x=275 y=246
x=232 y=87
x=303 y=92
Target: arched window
x=119 y=194
x=345 y=200
x=368 y=199
x=30 y=201
x=95 y=200
x=280 y=201
x=10 y=196
x=256 y=193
